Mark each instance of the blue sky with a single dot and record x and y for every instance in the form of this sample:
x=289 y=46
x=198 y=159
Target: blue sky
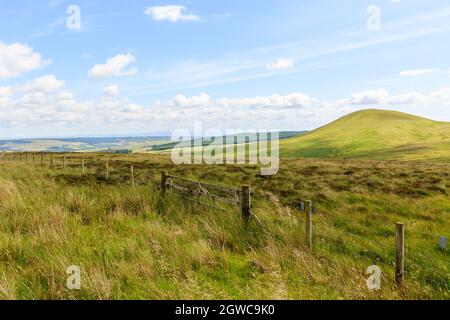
x=140 y=67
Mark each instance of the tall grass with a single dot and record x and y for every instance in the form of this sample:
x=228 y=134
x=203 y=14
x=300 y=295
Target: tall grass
x=136 y=244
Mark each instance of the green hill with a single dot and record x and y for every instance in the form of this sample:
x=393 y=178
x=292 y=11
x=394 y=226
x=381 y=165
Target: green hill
x=374 y=134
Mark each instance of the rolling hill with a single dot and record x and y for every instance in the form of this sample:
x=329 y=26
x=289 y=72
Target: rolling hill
x=374 y=134
x=110 y=144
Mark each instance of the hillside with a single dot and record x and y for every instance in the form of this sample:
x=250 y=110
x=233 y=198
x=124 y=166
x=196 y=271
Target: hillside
x=374 y=134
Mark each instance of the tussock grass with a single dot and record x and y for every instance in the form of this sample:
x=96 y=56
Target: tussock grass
x=136 y=244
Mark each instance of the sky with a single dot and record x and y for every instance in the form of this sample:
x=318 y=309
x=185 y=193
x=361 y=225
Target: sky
x=103 y=68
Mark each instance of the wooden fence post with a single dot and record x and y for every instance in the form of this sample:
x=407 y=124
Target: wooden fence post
x=246 y=202
x=33 y=158
x=83 y=168
x=400 y=254
x=308 y=230
x=107 y=170
x=51 y=160
x=42 y=159
x=132 y=176
x=164 y=176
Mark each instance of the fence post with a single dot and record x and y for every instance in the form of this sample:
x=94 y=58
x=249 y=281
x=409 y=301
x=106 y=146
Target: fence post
x=42 y=159
x=107 y=169
x=51 y=160
x=65 y=161
x=132 y=176
x=33 y=158
x=83 y=169
x=400 y=253
x=246 y=202
x=164 y=176
x=308 y=230
x=26 y=157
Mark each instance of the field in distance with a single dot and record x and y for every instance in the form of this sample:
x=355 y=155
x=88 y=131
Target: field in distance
x=113 y=145
x=148 y=144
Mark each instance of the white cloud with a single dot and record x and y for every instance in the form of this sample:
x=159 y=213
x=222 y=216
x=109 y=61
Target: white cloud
x=132 y=108
x=44 y=84
x=111 y=90
x=369 y=97
x=382 y=98
x=203 y=100
x=5 y=91
x=66 y=95
x=415 y=73
x=281 y=64
x=114 y=67
x=45 y=104
x=294 y=100
x=275 y=101
x=171 y=13
x=17 y=59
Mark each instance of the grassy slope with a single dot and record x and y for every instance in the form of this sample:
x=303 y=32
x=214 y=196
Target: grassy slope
x=132 y=244
x=375 y=134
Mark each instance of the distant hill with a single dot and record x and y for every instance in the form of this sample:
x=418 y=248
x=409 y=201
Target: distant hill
x=207 y=141
x=374 y=134
x=114 y=145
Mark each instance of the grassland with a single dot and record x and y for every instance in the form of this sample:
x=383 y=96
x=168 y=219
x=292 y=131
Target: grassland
x=376 y=135
x=136 y=244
